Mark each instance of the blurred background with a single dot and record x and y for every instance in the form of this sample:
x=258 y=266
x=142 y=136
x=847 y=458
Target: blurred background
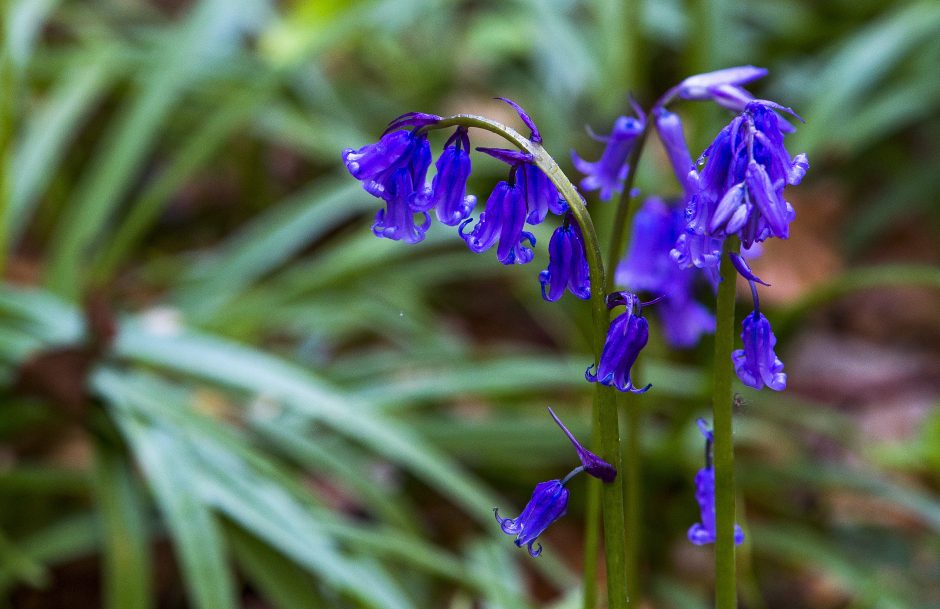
x=219 y=389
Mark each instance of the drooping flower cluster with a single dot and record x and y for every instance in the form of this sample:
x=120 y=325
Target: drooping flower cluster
x=549 y=500
x=626 y=337
x=649 y=267
x=395 y=169
x=705 y=532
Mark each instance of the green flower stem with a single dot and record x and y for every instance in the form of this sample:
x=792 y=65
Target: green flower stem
x=605 y=424
x=722 y=407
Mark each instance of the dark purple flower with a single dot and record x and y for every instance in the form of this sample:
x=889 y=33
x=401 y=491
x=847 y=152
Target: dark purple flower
x=502 y=221
x=649 y=266
x=539 y=193
x=395 y=169
x=705 y=532
x=567 y=264
x=592 y=464
x=757 y=364
x=740 y=189
x=448 y=192
x=626 y=337
x=609 y=172
x=549 y=502
x=397 y=220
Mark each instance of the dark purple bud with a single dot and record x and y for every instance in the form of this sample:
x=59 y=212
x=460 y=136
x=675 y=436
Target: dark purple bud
x=448 y=193
x=609 y=172
x=535 y=136
x=741 y=265
x=669 y=128
x=756 y=364
x=705 y=532
x=592 y=464
x=567 y=265
x=510 y=157
x=396 y=221
x=626 y=337
x=412 y=119
x=549 y=502
x=374 y=159
x=700 y=86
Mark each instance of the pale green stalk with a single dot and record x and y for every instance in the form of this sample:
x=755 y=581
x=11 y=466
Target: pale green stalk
x=722 y=409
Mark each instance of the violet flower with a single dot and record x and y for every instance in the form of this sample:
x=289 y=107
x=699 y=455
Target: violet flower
x=549 y=500
x=669 y=127
x=448 y=192
x=395 y=169
x=705 y=532
x=648 y=266
x=567 y=264
x=626 y=337
x=548 y=503
x=609 y=173
x=503 y=221
x=756 y=364
x=740 y=189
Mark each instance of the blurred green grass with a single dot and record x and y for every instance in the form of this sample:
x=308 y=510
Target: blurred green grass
x=314 y=417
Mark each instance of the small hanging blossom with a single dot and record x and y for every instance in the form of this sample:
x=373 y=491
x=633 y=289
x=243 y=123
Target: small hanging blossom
x=395 y=169
x=549 y=500
x=705 y=532
x=567 y=264
x=609 y=173
x=720 y=86
x=447 y=194
x=503 y=221
x=649 y=267
x=548 y=503
x=756 y=364
x=626 y=337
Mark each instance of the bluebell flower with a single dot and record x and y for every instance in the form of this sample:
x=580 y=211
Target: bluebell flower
x=592 y=464
x=395 y=169
x=626 y=337
x=549 y=502
x=541 y=196
x=567 y=264
x=648 y=266
x=609 y=173
x=502 y=221
x=721 y=86
x=705 y=532
x=740 y=189
x=756 y=364
x=447 y=194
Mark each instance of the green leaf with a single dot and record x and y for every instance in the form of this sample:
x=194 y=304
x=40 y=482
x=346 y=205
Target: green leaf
x=127 y=568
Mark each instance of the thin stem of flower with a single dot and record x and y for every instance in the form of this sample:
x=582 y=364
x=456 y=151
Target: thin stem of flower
x=572 y=474
x=723 y=448
x=633 y=495
x=605 y=425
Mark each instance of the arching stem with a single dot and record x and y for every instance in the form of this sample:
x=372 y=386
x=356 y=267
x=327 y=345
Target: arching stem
x=605 y=423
